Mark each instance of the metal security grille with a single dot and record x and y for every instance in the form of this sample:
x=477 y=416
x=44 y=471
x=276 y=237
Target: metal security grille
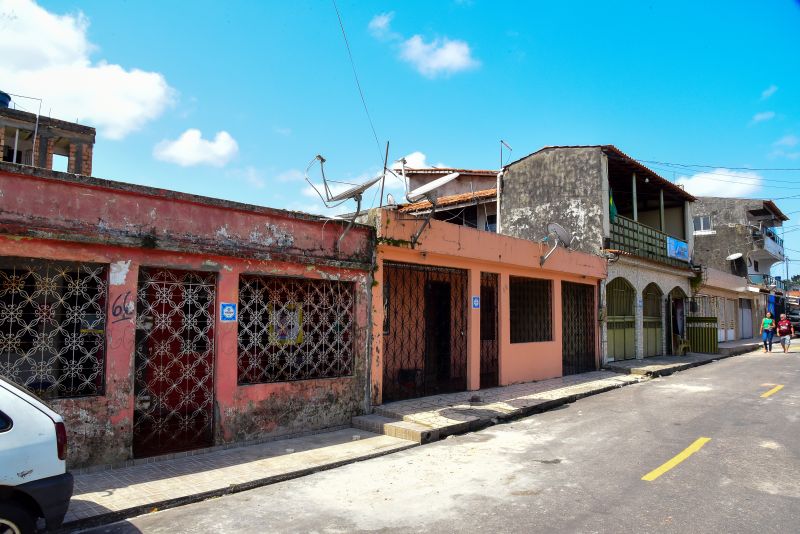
x=52 y=326
x=489 y=324
x=621 y=324
x=424 y=341
x=652 y=303
x=294 y=329
x=174 y=367
x=531 y=309
x=577 y=328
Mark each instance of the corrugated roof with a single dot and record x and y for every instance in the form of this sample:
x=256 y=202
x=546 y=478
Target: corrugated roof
x=613 y=152
x=448 y=200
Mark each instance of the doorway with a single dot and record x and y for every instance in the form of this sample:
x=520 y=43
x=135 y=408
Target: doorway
x=746 y=318
x=490 y=375
x=621 y=321
x=577 y=329
x=174 y=362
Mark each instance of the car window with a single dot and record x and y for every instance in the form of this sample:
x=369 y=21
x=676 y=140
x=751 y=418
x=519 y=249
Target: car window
x=5 y=422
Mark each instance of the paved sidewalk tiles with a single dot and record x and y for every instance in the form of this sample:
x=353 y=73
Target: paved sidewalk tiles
x=110 y=495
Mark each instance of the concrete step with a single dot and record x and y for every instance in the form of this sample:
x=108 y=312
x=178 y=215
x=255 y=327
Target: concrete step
x=395 y=428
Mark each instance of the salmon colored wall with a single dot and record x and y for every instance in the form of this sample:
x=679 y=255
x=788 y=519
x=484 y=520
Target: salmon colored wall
x=100 y=427
x=448 y=245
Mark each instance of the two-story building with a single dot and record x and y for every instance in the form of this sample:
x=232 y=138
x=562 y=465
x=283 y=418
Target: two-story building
x=615 y=207
x=737 y=243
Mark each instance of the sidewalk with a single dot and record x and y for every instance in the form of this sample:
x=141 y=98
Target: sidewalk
x=432 y=418
x=666 y=365
x=114 y=494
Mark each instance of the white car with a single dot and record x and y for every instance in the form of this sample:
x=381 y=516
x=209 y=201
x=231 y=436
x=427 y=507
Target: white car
x=34 y=481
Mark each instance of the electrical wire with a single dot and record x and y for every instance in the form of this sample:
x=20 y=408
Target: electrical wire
x=358 y=83
x=688 y=166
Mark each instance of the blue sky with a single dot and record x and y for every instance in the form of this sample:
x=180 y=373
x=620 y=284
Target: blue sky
x=269 y=85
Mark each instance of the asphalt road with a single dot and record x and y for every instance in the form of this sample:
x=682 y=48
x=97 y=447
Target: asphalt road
x=575 y=469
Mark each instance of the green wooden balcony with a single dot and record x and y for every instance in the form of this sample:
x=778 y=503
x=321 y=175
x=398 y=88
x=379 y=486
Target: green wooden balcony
x=642 y=241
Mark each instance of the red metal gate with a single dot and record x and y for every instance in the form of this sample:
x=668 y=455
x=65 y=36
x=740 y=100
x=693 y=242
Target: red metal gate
x=174 y=374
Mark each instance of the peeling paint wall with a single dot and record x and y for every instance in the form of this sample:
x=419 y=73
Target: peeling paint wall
x=100 y=428
x=561 y=185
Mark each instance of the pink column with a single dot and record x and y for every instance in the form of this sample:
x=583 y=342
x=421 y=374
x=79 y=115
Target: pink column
x=557 y=321
x=503 y=328
x=226 y=343
x=121 y=346
x=474 y=333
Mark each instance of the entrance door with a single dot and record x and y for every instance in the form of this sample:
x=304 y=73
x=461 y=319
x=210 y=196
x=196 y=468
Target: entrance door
x=621 y=321
x=746 y=317
x=174 y=362
x=730 y=314
x=424 y=330
x=489 y=349
x=437 y=336
x=577 y=329
x=652 y=299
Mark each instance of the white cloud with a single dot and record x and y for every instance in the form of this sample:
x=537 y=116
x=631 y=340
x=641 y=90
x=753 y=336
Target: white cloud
x=763 y=116
x=417 y=160
x=292 y=175
x=380 y=26
x=441 y=56
x=768 y=92
x=722 y=183
x=48 y=56
x=191 y=149
x=787 y=140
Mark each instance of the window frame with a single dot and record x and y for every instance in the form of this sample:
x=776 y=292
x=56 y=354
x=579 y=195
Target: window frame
x=528 y=333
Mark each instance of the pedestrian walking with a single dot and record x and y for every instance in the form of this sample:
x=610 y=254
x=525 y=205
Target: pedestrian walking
x=785 y=331
x=767 y=331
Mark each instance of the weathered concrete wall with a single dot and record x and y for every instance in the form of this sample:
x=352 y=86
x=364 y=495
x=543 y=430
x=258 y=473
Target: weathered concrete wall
x=561 y=185
x=41 y=203
x=711 y=249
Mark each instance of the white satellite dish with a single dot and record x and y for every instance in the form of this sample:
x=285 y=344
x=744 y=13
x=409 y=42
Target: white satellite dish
x=355 y=191
x=557 y=234
x=423 y=191
x=390 y=200
x=563 y=236
x=734 y=256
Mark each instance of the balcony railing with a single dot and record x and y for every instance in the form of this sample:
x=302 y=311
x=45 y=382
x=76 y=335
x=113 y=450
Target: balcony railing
x=640 y=240
x=771 y=280
x=770 y=232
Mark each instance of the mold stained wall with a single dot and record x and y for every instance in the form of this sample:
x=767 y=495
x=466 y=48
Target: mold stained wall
x=58 y=220
x=561 y=185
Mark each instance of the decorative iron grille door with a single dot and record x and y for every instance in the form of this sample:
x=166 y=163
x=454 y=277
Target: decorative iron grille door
x=489 y=324
x=174 y=375
x=424 y=341
x=652 y=304
x=577 y=328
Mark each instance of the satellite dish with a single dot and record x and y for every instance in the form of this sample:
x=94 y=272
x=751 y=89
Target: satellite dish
x=423 y=191
x=734 y=256
x=356 y=190
x=390 y=200
x=563 y=236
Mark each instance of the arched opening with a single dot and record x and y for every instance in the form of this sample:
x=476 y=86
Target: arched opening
x=621 y=320
x=652 y=310
x=676 y=333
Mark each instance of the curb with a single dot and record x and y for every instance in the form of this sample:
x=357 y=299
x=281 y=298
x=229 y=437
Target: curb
x=119 y=515
x=672 y=369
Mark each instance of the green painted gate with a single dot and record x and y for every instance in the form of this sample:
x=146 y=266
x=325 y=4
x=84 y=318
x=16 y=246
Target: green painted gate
x=652 y=306
x=621 y=322
x=702 y=334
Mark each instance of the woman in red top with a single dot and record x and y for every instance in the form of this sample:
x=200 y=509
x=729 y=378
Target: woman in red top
x=785 y=332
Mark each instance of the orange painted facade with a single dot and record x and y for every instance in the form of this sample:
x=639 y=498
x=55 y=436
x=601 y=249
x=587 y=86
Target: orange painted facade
x=459 y=247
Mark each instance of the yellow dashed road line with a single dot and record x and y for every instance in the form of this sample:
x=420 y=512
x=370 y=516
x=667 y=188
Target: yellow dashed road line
x=688 y=451
x=772 y=391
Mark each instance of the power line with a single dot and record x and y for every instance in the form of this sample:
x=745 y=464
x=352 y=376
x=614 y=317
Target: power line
x=688 y=165
x=358 y=83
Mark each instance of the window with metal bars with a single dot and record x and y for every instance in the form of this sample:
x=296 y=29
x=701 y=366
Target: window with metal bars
x=531 y=314
x=52 y=326
x=294 y=329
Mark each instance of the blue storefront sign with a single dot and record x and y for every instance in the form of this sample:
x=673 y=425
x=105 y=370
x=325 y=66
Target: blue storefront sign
x=476 y=302
x=227 y=311
x=677 y=249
